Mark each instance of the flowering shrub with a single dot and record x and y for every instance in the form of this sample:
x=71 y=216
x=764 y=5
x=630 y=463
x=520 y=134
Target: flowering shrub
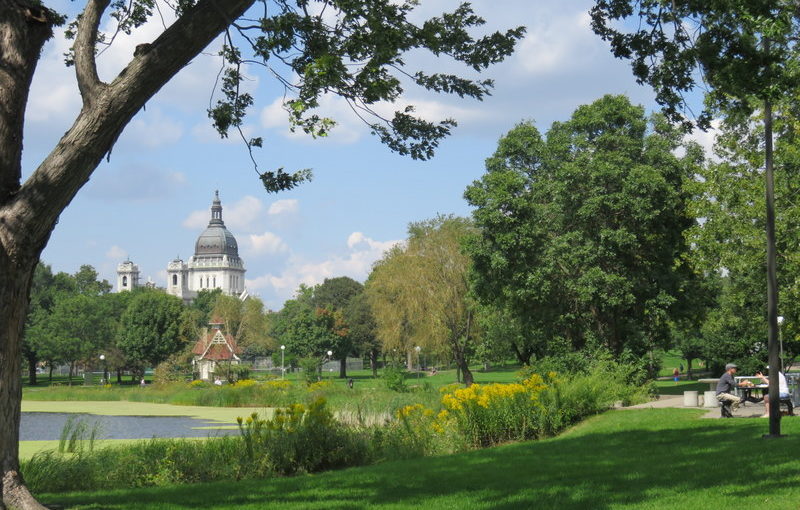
x=300 y=439
x=494 y=413
x=319 y=386
x=199 y=383
x=245 y=383
x=278 y=384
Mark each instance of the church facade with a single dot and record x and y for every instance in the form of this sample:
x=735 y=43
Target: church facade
x=215 y=264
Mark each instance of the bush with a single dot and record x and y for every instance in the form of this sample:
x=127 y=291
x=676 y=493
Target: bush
x=395 y=379
x=310 y=368
x=301 y=439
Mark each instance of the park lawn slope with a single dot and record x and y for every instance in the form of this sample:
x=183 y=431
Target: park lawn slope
x=650 y=458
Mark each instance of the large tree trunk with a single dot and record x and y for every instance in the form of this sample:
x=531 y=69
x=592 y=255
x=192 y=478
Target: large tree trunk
x=29 y=211
x=343 y=368
x=523 y=355
x=463 y=366
x=15 y=284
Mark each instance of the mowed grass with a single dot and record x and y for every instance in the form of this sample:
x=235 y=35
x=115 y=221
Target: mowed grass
x=649 y=459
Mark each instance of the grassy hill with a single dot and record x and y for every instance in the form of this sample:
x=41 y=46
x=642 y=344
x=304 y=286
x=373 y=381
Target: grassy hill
x=652 y=458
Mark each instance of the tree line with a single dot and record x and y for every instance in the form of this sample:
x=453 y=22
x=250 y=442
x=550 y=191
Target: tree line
x=75 y=318
x=611 y=231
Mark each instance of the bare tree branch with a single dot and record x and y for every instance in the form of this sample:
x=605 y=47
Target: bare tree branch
x=85 y=46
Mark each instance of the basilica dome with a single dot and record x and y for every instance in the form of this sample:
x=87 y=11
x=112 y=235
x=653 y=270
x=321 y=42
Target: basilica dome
x=216 y=240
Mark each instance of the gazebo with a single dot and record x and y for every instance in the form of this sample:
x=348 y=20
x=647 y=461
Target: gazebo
x=214 y=348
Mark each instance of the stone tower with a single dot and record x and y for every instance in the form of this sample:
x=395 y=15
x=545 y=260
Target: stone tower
x=127 y=276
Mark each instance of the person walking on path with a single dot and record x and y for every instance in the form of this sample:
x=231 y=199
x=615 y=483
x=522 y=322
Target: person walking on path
x=725 y=388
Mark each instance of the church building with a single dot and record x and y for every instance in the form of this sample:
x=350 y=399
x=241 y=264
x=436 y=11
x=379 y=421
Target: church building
x=214 y=265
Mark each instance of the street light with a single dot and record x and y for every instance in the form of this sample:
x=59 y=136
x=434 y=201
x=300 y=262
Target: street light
x=330 y=353
x=283 y=370
x=105 y=372
x=780 y=337
x=419 y=365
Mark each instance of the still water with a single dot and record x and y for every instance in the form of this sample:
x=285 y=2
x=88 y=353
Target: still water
x=48 y=426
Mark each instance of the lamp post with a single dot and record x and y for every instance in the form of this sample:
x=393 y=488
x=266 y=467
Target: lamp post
x=419 y=365
x=330 y=353
x=780 y=337
x=105 y=372
x=283 y=370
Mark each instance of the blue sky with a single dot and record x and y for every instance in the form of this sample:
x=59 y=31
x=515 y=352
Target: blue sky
x=151 y=201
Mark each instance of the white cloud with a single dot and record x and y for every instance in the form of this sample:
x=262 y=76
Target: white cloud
x=706 y=139
x=140 y=183
x=362 y=253
x=152 y=129
x=196 y=220
x=265 y=244
x=350 y=128
x=116 y=253
x=286 y=206
x=245 y=215
x=559 y=43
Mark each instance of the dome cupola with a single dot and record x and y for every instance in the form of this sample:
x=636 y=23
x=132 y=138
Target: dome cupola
x=216 y=240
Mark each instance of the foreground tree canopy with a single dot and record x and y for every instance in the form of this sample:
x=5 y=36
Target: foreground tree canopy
x=581 y=233
x=352 y=49
x=743 y=54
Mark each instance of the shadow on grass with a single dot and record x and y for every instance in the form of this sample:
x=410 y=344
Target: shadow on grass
x=620 y=458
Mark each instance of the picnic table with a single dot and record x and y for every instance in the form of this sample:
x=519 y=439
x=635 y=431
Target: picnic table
x=712 y=383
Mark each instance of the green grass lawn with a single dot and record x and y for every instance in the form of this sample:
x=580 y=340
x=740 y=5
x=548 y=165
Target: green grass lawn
x=650 y=459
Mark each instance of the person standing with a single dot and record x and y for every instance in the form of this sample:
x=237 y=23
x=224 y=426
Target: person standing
x=725 y=388
x=676 y=375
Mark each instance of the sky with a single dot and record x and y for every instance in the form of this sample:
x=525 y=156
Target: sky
x=151 y=200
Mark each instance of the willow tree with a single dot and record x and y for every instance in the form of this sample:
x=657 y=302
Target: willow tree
x=313 y=47
x=742 y=54
x=420 y=292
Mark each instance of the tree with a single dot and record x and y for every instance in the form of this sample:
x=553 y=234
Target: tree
x=75 y=328
x=53 y=330
x=314 y=48
x=42 y=298
x=362 y=329
x=420 y=292
x=730 y=239
x=306 y=330
x=336 y=294
x=581 y=234
x=150 y=329
x=744 y=57
x=246 y=321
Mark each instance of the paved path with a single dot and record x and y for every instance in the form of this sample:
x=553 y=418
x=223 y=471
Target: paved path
x=749 y=410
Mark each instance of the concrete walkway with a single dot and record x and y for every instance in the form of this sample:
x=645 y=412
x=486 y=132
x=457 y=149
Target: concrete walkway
x=749 y=410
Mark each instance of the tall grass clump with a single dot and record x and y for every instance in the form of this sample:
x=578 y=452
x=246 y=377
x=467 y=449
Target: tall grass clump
x=77 y=435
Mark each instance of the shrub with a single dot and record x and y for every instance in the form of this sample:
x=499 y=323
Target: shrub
x=310 y=368
x=494 y=413
x=301 y=439
x=395 y=379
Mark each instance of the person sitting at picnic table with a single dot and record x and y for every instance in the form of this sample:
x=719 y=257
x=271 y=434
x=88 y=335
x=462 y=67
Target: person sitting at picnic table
x=783 y=389
x=725 y=388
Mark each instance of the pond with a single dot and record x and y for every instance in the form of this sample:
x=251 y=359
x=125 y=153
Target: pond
x=48 y=426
